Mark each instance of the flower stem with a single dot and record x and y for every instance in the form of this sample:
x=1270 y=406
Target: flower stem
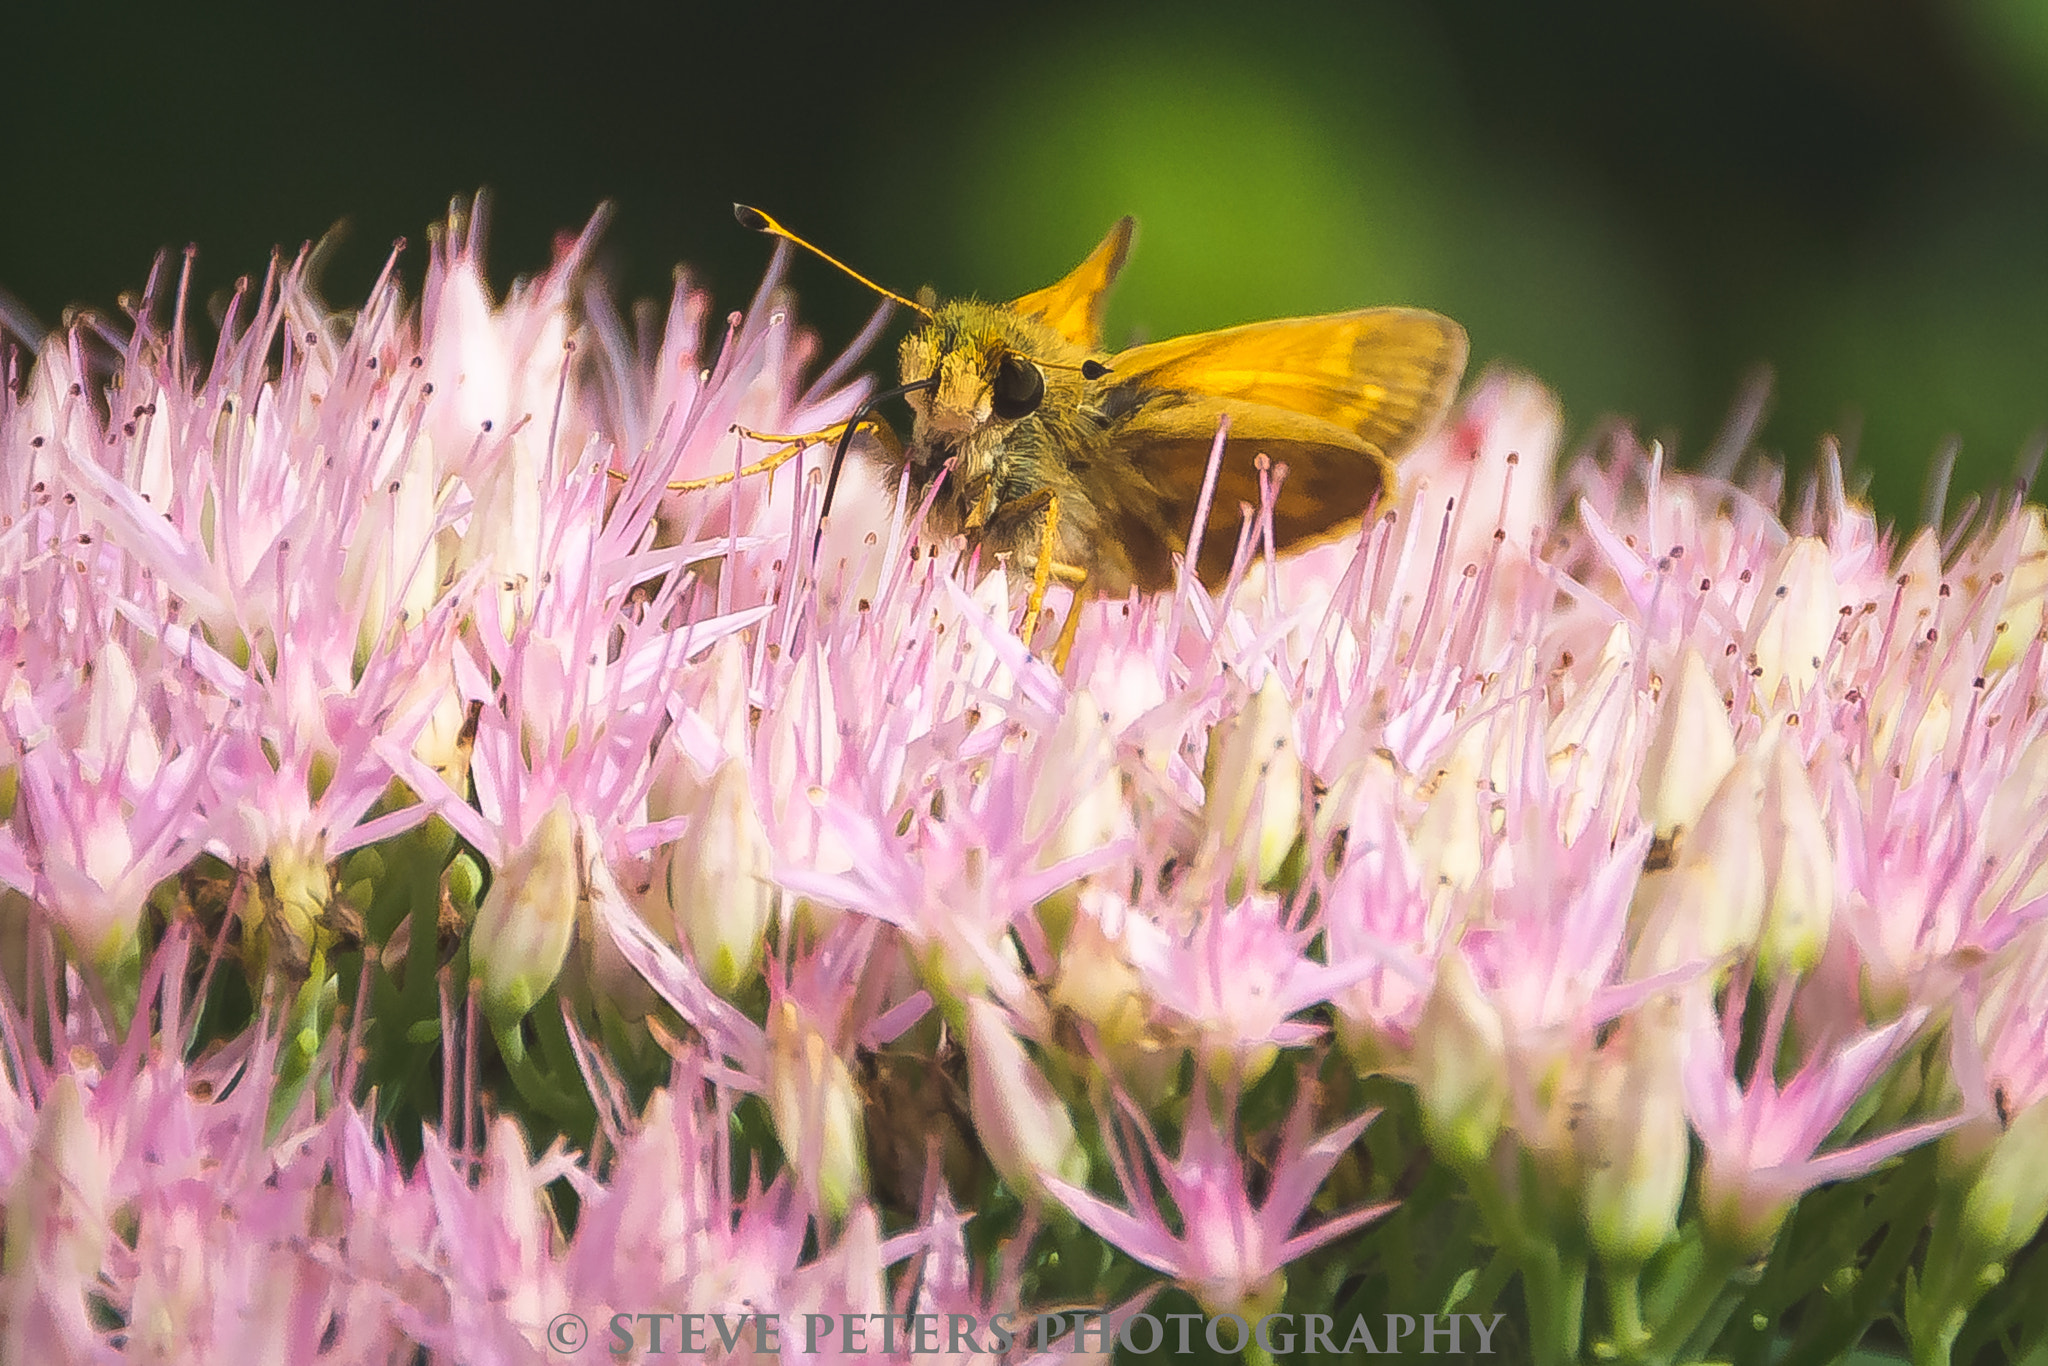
x=1700 y=1305
x=1625 y=1308
x=1952 y=1280
x=1553 y=1276
x=1556 y=1283
x=535 y=1088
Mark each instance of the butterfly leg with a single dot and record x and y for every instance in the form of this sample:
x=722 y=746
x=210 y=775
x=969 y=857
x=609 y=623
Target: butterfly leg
x=873 y=426
x=1041 y=572
x=792 y=445
x=1047 y=568
x=1064 y=646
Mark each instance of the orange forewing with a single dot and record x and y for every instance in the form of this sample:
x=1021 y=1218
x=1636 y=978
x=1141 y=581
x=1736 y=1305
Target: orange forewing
x=1385 y=373
x=1073 y=307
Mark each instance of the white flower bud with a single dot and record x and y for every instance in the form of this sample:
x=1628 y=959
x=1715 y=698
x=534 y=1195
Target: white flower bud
x=523 y=929
x=716 y=728
x=1448 y=842
x=1078 y=802
x=1794 y=620
x=715 y=879
x=1710 y=903
x=816 y=1109
x=1253 y=763
x=393 y=539
x=2008 y=1200
x=114 y=728
x=504 y=529
x=1638 y=1144
x=1021 y=1123
x=1691 y=750
x=443 y=746
x=1097 y=982
x=1593 y=742
x=802 y=754
x=1992 y=1204
x=1461 y=1075
x=1799 y=861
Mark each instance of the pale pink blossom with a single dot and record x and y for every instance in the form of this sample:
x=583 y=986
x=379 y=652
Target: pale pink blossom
x=1229 y=1251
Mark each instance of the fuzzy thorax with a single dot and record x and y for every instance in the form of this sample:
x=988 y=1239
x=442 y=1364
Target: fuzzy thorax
x=1002 y=467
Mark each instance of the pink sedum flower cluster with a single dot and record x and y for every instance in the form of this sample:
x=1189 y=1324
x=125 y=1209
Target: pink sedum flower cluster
x=1527 y=798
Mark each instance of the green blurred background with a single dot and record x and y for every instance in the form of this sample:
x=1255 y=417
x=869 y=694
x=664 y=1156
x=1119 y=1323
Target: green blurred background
x=1639 y=202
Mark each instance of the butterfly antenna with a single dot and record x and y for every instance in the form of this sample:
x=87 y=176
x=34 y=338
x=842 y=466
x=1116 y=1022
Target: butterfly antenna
x=756 y=221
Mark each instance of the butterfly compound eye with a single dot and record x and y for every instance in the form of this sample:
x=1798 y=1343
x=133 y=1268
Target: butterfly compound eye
x=1018 y=389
